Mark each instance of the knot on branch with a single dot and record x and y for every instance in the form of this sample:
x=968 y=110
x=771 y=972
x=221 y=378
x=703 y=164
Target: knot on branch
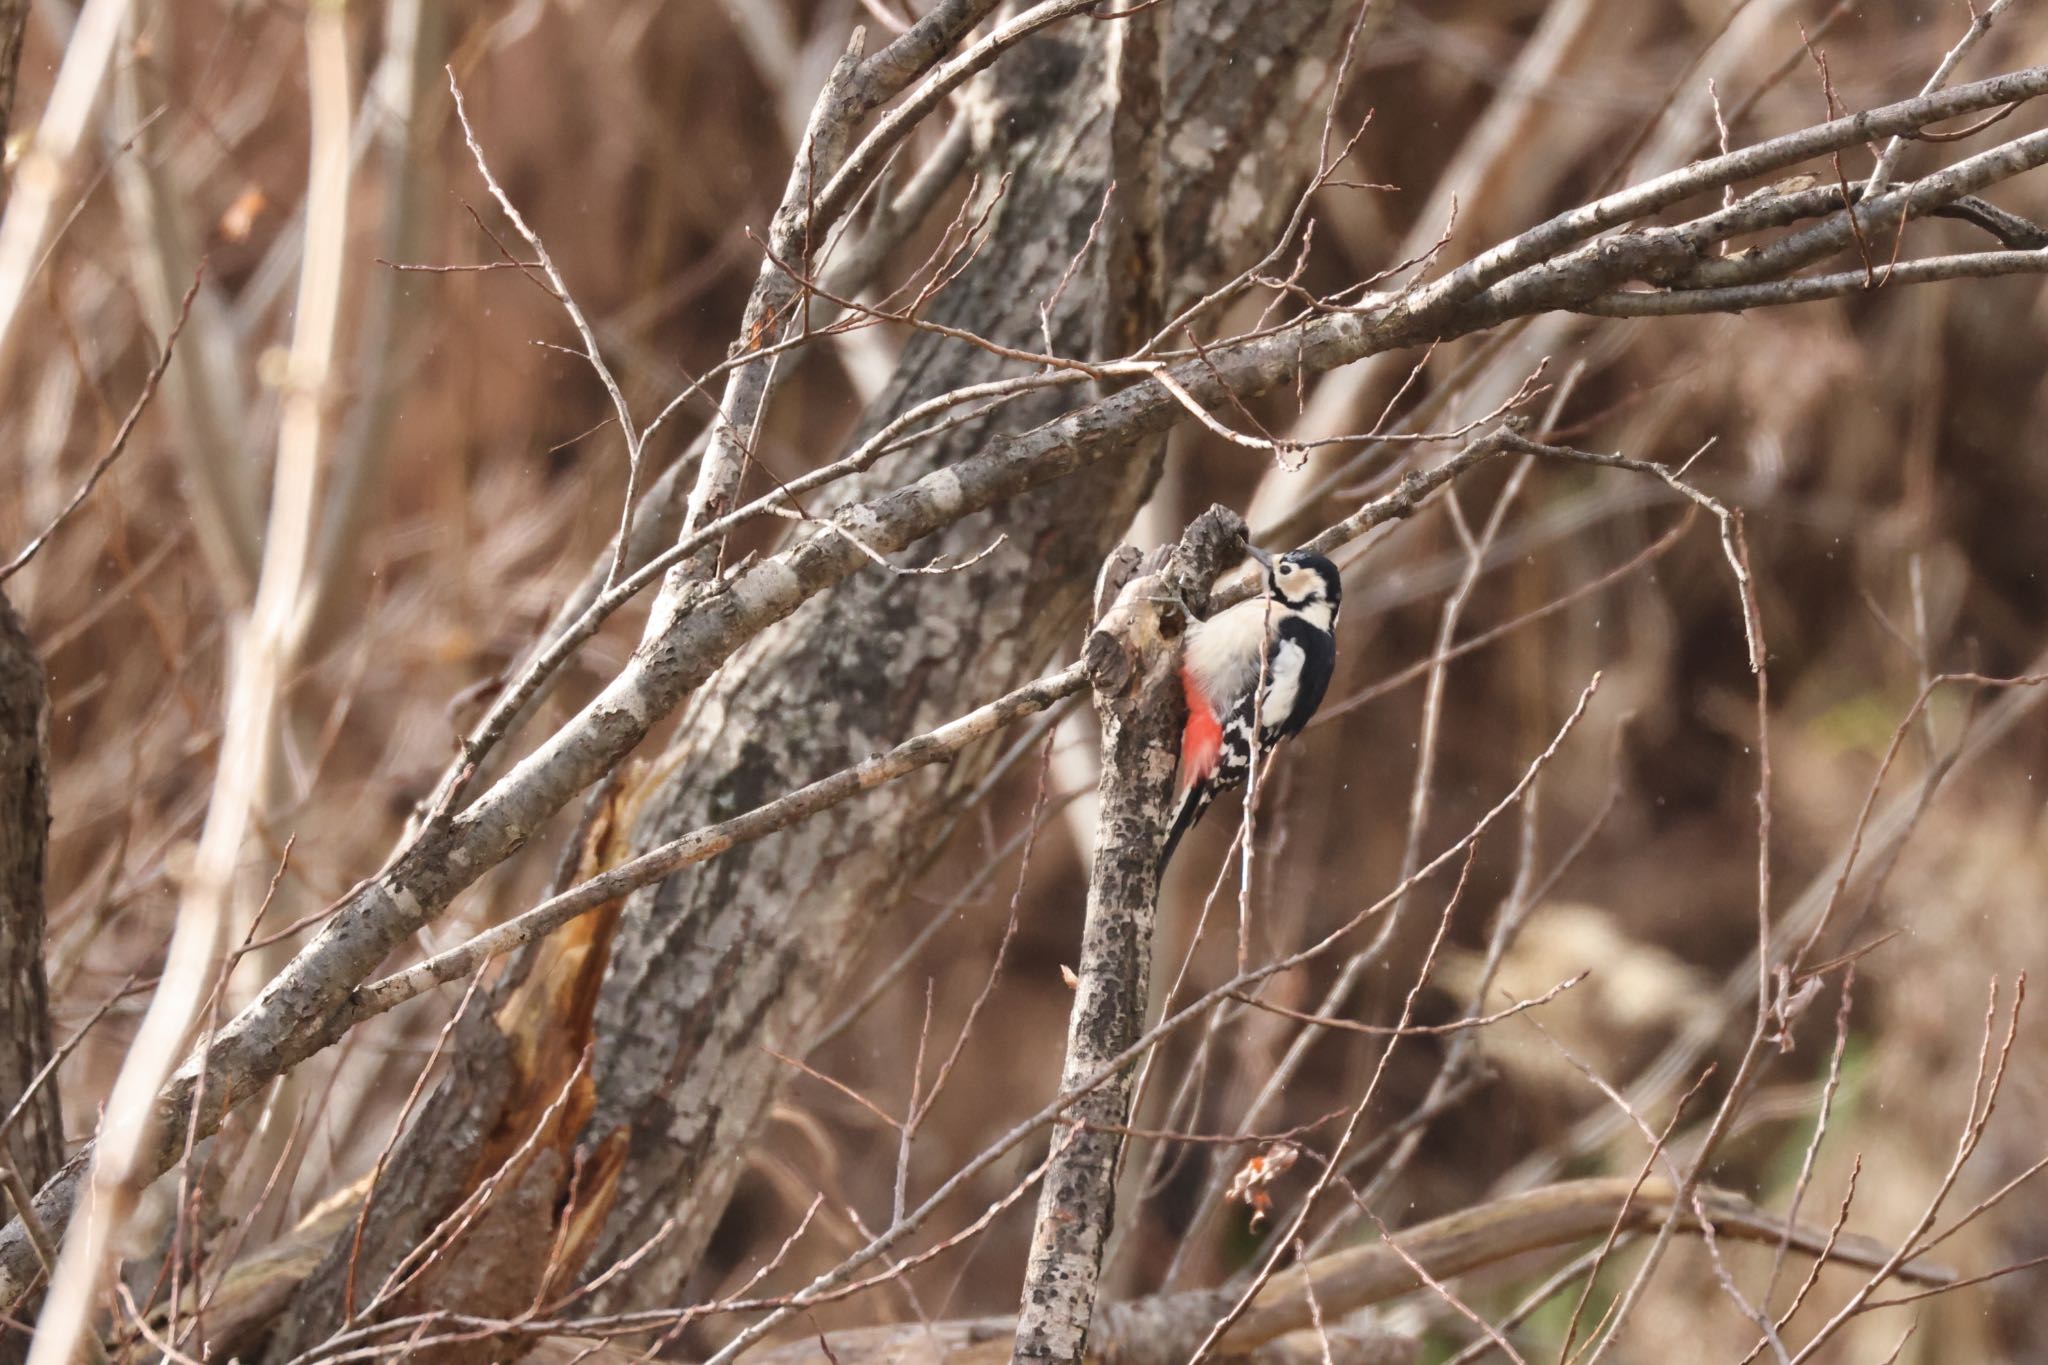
x=1152 y=596
x=1213 y=542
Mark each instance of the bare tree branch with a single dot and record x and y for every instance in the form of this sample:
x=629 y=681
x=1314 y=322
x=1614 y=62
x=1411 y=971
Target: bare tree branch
x=1133 y=660
x=691 y=635
x=1166 y=1328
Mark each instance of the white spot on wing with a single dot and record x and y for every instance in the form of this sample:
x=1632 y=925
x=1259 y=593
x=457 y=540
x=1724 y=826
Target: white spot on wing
x=1283 y=684
x=1223 y=654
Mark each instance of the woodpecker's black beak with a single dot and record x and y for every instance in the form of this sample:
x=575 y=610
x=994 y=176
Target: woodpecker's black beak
x=1265 y=559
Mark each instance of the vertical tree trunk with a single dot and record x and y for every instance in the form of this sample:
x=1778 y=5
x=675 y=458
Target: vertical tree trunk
x=34 y=1146
x=34 y=1143
x=13 y=27
x=747 y=949
x=1133 y=661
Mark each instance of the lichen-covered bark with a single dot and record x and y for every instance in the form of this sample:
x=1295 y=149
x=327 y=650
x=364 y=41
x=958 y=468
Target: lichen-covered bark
x=748 y=947
x=1133 y=658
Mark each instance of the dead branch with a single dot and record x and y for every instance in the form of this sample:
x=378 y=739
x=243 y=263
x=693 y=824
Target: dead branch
x=1133 y=665
x=691 y=635
x=114 y=447
x=1166 y=1329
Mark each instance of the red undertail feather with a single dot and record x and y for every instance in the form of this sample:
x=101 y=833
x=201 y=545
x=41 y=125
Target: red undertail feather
x=1201 y=743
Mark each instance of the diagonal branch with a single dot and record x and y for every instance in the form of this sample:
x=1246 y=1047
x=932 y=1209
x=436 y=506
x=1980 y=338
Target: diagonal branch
x=1164 y=1329
x=776 y=305
x=937 y=746
x=114 y=447
x=690 y=635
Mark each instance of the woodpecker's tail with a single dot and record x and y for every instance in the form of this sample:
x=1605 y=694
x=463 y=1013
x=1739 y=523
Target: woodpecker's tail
x=1193 y=803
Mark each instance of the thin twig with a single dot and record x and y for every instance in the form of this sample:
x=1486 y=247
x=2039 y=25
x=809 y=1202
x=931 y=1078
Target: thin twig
x=121 y=434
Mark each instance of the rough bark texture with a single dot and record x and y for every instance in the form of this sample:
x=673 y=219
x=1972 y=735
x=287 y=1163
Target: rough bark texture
x=1133 y=661
x=1076 y=1207
x=1556 y=264
x=33 y=1146
x=747 y=948
x=13 y=25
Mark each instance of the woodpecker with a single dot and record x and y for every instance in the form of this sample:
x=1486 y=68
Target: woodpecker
x=1285 y=636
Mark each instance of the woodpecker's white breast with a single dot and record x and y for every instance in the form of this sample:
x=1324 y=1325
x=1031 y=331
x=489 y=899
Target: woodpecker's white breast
x=1223 y=652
